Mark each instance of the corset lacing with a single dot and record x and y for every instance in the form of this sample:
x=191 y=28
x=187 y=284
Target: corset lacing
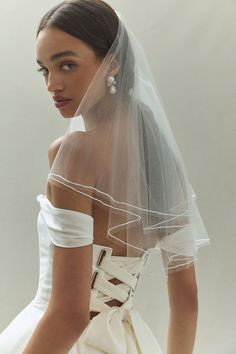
x=106 y=268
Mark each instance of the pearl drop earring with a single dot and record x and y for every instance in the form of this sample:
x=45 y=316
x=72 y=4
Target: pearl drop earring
x=111 y=83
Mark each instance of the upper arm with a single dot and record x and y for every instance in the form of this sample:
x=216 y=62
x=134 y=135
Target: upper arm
x=71 y=281
x=71 y=265
x=182 y=288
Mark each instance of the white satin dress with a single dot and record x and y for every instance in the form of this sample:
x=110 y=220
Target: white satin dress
x=114 y=330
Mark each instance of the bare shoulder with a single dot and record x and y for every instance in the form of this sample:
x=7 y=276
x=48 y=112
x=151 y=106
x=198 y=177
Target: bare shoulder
x=67 y=140
x=75 y=163
x=53 y=149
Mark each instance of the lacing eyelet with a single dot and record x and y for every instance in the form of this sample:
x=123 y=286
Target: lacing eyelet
x=99 y=260
x=100 y=257
x=94 y=278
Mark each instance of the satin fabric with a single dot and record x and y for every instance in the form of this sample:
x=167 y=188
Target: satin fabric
x=115 y=330
x=118 y=330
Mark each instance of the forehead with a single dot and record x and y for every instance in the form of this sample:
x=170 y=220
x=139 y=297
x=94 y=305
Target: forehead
x=53 y=40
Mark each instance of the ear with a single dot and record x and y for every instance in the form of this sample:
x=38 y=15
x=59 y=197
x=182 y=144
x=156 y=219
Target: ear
x=113 y=67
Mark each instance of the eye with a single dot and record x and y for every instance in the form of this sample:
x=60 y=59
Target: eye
x=43 y=70
x=67 y=66
x=64 y=67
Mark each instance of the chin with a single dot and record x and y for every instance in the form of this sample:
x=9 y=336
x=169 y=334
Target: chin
x=68 y=113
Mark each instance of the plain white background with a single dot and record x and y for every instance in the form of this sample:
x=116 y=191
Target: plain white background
x=191 y=47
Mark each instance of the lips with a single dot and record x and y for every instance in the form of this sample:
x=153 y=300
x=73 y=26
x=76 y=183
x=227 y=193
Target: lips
x=60 y=104
x=61 y=101
x=58 y=98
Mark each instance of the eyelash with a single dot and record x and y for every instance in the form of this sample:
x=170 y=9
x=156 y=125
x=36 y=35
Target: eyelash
x=41 y=70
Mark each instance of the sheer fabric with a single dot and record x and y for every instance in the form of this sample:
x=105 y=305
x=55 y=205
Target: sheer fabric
x=128 y=162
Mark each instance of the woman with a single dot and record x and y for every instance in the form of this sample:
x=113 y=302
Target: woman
x=117 y=190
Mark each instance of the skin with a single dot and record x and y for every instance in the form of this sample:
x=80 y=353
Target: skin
x=69 y=76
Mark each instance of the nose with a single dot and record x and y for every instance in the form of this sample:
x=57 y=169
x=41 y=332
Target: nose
x=54 y=83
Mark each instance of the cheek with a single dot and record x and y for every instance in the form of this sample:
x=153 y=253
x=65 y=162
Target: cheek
x=81 y=83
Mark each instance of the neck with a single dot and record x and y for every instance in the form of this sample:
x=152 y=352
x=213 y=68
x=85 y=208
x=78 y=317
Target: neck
x=101 y=114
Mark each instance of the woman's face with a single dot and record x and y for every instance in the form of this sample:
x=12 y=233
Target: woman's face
x=68 y=65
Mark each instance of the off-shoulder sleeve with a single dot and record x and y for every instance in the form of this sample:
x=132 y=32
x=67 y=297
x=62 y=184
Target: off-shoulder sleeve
x=66 y=228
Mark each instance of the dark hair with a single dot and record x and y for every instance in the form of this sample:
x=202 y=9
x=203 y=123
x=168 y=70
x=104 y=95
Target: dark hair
x=92 y=21
x=97 y=24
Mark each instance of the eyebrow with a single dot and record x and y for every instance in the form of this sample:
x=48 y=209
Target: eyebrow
x=59 y=55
